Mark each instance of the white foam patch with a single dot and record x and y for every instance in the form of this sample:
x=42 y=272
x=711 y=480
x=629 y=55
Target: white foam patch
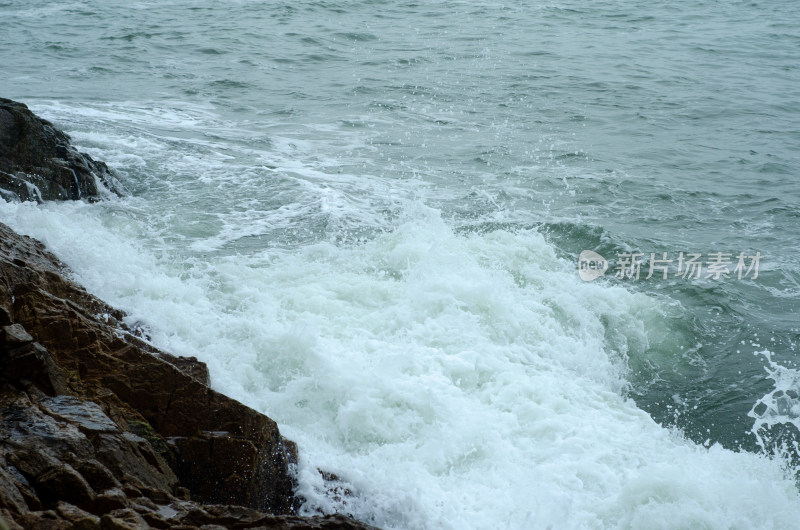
x=221 y=183
x=778 y=407
x=450 y=381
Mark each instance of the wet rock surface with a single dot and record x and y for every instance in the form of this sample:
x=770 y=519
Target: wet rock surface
x=100 y=430
x=39 y=163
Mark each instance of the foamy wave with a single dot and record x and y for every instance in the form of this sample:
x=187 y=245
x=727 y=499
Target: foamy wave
x=450 y=381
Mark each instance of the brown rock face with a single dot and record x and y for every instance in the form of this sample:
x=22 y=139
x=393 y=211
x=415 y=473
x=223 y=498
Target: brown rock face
x=100 y=430
x=38 y=163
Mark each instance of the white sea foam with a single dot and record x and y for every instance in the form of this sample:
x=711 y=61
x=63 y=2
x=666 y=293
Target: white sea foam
x=778 y=407
x=451 y=381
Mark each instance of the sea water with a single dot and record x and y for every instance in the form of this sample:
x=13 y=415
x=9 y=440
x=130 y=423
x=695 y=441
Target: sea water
x=366 y=217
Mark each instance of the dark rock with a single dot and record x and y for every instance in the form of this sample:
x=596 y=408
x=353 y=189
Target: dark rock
x=23 y=487
x=64 y=483
x=67 y=429
x=10 y=496
x=14 y=335
x=45 y=520
x=155 y=520
x=157 y=496
x=85 y=415
x=33 y=441
x=5 y=317
x=97 y=475
x=189 y=366
x=7 y=522
x=87 y=523
x=125 y=519
x=37 y=161
x=110 y=500
x=144 y=430
x=75 y=515
x=30 y=364
x=183 y=493
x=131 y=490
x=335 y=489
x=132 y=457
x=144 y=504
x=219 y=468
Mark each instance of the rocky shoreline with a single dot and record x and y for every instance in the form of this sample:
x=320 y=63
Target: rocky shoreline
x=38 y=162
x=98 y=429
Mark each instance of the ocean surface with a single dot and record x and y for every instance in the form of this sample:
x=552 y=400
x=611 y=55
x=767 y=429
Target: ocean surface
x=366 y=218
